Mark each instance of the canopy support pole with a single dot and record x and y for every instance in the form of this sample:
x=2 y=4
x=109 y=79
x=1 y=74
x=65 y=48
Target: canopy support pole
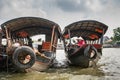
x=69 y=36
x=53 y=31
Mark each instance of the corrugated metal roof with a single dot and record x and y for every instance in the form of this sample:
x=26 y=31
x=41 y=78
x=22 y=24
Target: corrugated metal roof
x=32 y=25
x=87 y=29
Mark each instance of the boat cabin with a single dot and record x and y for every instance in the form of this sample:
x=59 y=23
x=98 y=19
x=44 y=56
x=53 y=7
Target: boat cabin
x=30 y=37
x=90 y=33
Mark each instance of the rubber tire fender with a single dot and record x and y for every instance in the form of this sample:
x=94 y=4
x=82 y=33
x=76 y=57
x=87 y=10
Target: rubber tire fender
x=20 y=50
x=87 y=51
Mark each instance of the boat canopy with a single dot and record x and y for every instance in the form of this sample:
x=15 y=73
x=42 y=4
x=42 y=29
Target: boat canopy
x=31 y=26
x=87 y=29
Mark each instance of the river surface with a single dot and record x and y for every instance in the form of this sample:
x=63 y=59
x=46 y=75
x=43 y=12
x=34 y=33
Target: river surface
x=108 y=68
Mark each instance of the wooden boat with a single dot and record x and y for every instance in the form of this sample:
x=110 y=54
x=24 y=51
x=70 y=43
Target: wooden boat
x=89 y=53
x=29 y=43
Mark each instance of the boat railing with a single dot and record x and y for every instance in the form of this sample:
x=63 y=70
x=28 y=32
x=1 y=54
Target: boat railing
x=93 y=41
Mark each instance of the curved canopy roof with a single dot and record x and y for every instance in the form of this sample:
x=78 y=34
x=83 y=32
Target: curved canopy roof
x=87 y=29
x=31 y=25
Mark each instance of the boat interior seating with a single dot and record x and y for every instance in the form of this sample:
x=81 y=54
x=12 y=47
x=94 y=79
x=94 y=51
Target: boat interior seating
x=46 y=46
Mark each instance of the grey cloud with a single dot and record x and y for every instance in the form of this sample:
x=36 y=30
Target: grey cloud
x=78 y=5
x=104 y=2
x=116 y=3
x=52 y=8
x=1 y=4
x=46 y=5
x=71 y=5
x=17 y=8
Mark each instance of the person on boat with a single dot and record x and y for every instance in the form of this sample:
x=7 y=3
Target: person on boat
x=30 y=41
x=80 y=42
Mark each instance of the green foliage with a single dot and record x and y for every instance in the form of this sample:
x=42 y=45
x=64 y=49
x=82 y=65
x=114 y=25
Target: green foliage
x=116 y=36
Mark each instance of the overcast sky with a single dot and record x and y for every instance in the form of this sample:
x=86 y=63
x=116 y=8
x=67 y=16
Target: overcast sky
x=64 y=12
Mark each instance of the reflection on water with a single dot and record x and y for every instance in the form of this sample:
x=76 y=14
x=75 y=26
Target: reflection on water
x=108 y=68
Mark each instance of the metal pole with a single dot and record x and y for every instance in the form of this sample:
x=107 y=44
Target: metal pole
x=102 y=37
x=69 y=36
x=8 y=42
x=53 y=30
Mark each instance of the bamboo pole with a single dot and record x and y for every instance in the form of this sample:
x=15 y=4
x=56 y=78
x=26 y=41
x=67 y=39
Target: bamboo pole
x=69 y=36
x=55 y=44
x=7 y=36
x=43 y=55
x=53 y=31
x=9 y=45
x=40 y=54
x=102 y=37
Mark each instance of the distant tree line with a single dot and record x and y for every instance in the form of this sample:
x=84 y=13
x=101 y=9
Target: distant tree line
x=116 y=35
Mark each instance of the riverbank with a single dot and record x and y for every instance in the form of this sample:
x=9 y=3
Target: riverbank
x=108 y=68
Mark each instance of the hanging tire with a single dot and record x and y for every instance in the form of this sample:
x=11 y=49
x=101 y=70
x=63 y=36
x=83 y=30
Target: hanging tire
x=90 y=52
x=24 y=57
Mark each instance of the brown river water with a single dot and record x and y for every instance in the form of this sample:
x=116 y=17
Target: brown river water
x=108 y=68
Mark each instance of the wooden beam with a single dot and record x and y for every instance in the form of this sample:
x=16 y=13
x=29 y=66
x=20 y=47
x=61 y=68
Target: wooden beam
x=53 y=32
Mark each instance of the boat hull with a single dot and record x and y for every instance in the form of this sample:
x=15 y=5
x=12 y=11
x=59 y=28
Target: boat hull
x=38 y=66
x=83 y=61
x=41 y=63
x=77 y=57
